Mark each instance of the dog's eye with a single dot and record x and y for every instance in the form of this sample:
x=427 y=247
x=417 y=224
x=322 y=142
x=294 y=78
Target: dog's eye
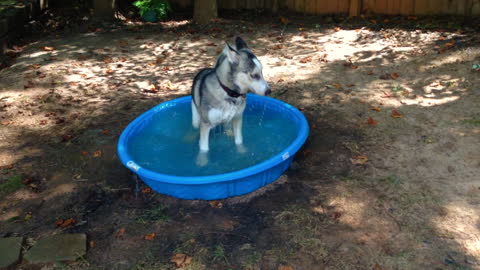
x=255 y=76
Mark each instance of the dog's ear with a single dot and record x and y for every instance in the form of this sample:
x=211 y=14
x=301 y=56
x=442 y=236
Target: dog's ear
x=232 y=54
x=240 y=44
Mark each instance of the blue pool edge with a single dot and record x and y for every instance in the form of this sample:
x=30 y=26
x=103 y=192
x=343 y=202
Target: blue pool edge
x=220 y=185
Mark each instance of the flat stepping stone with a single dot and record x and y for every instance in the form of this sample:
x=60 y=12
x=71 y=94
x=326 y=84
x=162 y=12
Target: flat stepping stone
x=10 y=249
x=61 y=247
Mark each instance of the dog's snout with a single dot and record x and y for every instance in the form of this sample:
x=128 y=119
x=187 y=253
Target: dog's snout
x=268 y=92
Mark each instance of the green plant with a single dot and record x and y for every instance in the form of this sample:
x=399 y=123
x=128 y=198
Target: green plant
x=218 y=253
x=11 y=184
x=160 y=7
x=156 y=214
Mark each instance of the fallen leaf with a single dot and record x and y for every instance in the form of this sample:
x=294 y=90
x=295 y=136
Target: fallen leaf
x=378 y=267
x=370 y=72
x=359 y=160
x=337 y=29
x=108 y=71
x=159 y=60
x=377 y=109
x=350 y=65
x=27 y=181
x=324 y=58
x=97 y=153
x=59 y=222
x=373 y=21
x=6 y=122
x=307 y=153
x=396 y=114
x=386 y=95
x=336 y=215
x=216 y=204
x=107 y=60
x=169 y=85
x=34 y=66
x=285 y=267
x=119 y=233
x=91 y=244
x=350 y=85
x=83 y=153
x=281 y=80
x=358 y=30
x=48 y=49
x=83 y=76
x=371 y=121
x=450 y=44
x=284 y=20
x=181 y=260
x=29 y=85
x=105 y=132
x=67 y=137
x=63 y=223
x=211 y=44
x=385 y=76
x=123 y=43
x=337 y=85
x=43 y=122
x=147 y=190
x=166 y=68
x=28 y=216
x=278 y=47
x=394 y=75
x=306 y=59
x=150 y=236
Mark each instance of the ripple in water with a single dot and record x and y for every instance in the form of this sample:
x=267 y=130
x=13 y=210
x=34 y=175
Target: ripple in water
x=168 y=144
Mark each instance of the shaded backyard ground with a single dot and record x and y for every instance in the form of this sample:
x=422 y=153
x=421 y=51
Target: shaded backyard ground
x=388 y=179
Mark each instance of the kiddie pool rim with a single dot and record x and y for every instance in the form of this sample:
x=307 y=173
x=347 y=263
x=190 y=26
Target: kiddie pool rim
x=284 y=156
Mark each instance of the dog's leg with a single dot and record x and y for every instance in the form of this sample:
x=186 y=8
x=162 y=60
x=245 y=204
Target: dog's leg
x=202 y=157
x=237 y=132
x=195 y=116
x=204 y=133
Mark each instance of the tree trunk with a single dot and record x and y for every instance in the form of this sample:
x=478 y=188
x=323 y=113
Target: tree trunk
x=104 y=9
x=204 y=11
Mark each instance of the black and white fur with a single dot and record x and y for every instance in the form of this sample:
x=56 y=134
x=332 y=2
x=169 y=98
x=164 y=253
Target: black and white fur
x=219 y=93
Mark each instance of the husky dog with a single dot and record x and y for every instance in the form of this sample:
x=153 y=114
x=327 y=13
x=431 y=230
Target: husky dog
x=219 y=93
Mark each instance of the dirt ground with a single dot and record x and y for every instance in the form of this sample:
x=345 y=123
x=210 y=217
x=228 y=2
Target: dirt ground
x=388 y=179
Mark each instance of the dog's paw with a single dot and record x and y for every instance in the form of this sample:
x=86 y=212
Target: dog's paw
x=241 y=148
x=202 y=159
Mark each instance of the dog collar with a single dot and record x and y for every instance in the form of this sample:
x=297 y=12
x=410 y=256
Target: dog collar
x=230 y=92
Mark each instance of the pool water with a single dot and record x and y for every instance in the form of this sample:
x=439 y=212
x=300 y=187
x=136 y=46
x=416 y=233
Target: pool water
x=168 y=144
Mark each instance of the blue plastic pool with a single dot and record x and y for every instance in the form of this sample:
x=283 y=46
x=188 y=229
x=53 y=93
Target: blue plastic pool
x=160 y=147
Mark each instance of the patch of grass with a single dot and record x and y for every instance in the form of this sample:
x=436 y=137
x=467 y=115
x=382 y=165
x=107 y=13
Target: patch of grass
x=12 y=184
x=252 y=260
x=473 y=122
x=218 y=253
x=156 y=214
x=302 y=232
x=391 y=180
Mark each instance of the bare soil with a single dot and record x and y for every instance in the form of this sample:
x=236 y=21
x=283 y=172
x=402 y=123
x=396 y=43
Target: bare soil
x=388 y=179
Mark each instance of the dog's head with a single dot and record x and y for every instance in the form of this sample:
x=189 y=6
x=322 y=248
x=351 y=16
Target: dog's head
x=245 y=69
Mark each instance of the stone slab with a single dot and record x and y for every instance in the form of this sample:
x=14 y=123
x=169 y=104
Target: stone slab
x=10 y=249
x=57 y=248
